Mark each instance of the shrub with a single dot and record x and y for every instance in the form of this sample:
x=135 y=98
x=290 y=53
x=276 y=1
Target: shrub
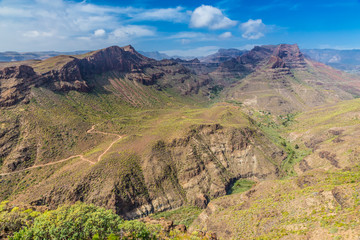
x=12 y=219
x=78 y=221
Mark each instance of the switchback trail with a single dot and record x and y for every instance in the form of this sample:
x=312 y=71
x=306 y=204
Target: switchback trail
x=82 y=157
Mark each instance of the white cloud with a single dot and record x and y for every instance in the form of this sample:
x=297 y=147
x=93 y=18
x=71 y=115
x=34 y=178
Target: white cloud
x=99 y=32
x=37 y=25
x=35 y=34
x=13 y=12
x=210 y=17
x=188 y=35
x=177 y=14
x=194 y=52
x=226 y=35
x=253 y=29
x=129 y=31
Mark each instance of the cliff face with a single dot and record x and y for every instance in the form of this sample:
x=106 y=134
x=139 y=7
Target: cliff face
x=291 y=55
x=280 y=56
x=192 y=169
x=114 y=58
x=65 y=73
x=15 y=83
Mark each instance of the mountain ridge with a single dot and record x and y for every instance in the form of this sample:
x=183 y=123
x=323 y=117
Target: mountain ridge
x=191 y=129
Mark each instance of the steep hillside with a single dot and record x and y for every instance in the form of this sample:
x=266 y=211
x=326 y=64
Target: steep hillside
x=321 y=202
x=275 y=78
x=125 y=70
x=331 y=132
x=282 y=80
x=318 y=205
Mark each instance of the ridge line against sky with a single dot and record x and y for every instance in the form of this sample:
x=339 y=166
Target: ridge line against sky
x=185 y=28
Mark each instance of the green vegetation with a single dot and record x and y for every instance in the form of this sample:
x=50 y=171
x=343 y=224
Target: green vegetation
x=78 y=221
x=321 y=204
x=183 y=215
x=274 y=127
x=241 y=185
x=215 y=91
x=81 y=221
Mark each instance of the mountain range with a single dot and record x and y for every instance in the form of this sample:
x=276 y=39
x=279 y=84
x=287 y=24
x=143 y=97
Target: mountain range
x=141 y=136
x=345 y=60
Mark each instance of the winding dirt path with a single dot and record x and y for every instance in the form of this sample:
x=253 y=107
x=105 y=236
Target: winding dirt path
x=82 y=157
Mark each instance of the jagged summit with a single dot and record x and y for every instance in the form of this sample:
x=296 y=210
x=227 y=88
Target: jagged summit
x=64 y=72
x=291 y=55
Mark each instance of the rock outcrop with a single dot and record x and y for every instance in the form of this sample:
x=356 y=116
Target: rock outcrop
x=191 y=169
x=15 y=83
x=291 y=55
x=65 y=73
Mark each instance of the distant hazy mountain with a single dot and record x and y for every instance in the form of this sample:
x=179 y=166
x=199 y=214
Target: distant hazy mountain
x=16 y=56
x=155 y=55
x=223 y=55
x=346 y=60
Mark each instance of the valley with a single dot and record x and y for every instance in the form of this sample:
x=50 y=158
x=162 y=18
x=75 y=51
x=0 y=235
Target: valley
x=143 y=137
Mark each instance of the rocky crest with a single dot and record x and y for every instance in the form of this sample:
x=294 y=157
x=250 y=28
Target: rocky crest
x=16 y=82
x=291 y=55
x=65 y=73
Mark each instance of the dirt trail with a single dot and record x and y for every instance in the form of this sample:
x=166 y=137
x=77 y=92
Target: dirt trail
x=82 y=157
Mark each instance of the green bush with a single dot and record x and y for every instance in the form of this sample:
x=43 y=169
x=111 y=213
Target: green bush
x=78 y=221
x=136 y=230
x=12 y=219
x=241 y=185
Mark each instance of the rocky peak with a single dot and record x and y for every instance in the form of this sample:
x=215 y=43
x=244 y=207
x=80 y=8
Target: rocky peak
x=256 y=55
x=129 y=48
x=124 y=59
x=65 y=73
x=15 y=83
x=22 y=71
x=291 y=55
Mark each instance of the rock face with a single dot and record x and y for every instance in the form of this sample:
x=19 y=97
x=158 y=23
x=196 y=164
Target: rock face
x=191 y=169
x=291 y=55
x=65 y=73
x=124 y=59
x=280 y=56
x=15 y=83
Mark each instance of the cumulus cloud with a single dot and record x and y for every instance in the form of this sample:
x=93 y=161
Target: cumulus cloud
x=99 y=32
x=129 y=31
x=226 y=35
x=210 y=17
x=253 y=29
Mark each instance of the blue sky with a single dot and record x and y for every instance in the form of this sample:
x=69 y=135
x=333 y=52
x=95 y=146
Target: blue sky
x=188 y=28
